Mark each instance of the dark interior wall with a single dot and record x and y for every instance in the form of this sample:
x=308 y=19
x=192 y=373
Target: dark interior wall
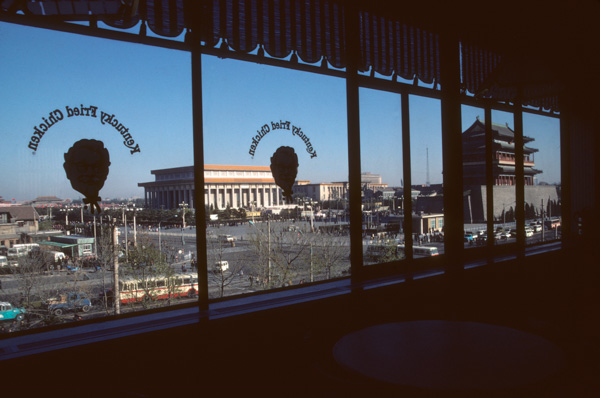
x=583 y=129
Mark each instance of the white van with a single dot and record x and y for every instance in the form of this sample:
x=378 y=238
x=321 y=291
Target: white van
x=3 y=261
x=221 y=266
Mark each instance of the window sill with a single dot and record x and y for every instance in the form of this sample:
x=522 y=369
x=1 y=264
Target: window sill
x=35 y=343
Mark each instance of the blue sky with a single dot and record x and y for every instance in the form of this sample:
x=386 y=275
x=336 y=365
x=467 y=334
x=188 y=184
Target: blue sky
x=149 y=91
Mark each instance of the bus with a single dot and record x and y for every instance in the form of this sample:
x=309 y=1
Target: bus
x=384 y=252
x=423 y=251
x=552 y=224
x=158 y=288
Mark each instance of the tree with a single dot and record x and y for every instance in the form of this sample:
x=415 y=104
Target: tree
x=329 y=252
x=30 y=274
x=281 y=252
x=146 y=266
x=104 y=264
x=219 y=274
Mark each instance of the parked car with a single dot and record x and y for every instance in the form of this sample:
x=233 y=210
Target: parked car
x=528 y=232
x=8 y=312
x=69 y=302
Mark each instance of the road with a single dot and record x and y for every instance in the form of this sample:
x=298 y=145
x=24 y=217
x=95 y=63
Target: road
x=247 y=269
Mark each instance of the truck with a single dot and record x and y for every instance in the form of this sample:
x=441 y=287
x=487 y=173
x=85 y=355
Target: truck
x=69 y=302
x=8 y=312
x=54 y=257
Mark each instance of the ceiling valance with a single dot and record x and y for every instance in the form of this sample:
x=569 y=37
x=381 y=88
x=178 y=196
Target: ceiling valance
x=309 y=31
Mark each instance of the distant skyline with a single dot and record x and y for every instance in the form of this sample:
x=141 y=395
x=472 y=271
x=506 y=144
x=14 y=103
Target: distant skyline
x=148 y=90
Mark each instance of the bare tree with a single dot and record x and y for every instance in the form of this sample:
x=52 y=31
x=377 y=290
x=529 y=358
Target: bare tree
x=148 y=268
x=30 y=274
x=282 y=252
x=221 y=272
x=104 y=264
x=329 y=253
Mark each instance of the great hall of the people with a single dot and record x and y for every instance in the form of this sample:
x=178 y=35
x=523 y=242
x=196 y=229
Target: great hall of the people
x=236 y=186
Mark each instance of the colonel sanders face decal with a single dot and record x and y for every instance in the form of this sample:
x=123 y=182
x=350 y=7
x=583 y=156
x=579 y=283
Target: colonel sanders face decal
x=284 y=167
x=86 y=165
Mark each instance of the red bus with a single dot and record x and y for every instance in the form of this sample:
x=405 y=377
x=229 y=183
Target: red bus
x=552 y=224
x=158 y=288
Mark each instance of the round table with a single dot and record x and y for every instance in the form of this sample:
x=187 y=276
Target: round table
x=449 y=355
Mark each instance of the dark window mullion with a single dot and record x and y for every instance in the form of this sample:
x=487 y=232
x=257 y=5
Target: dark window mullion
x=354 y=167
x=489 y=176
x=407 y=190
x=519 y=178
x=198 y=143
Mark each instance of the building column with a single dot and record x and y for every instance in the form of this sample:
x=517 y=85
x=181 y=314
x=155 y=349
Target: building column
x=208 y=198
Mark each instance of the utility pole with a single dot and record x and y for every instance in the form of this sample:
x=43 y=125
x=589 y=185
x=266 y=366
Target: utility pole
x=116 y=291
x=183 y=206
x=159 y=243
x=95 y=240
x=269 y=251
x=311 y=263
x=134 y=230
x=543 y=222
x=126 y=237
x=427 y=153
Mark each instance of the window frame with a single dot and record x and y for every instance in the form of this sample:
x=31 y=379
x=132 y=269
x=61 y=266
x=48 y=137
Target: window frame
x=354 y=80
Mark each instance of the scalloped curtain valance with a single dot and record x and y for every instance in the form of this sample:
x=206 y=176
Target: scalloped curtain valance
x=312 y=31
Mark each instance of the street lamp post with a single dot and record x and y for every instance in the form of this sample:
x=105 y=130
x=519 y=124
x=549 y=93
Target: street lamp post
x=183 y=206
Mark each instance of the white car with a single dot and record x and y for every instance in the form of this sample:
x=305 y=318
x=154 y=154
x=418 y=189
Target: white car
x=528 y=232
x=226 y=238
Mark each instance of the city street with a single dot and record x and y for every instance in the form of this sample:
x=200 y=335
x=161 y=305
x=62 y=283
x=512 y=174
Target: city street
x=297 y=256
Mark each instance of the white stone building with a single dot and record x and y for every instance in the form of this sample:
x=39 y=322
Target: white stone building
x=236 y=186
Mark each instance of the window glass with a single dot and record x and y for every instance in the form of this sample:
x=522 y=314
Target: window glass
x=542 y=178
x=474 y=176
x=504 y=178
x=59 y=92
x=287 y=227
x=381 y=178
x=426 y=174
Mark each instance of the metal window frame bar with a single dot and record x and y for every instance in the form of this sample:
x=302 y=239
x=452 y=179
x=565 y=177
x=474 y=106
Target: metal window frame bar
x=354 y=80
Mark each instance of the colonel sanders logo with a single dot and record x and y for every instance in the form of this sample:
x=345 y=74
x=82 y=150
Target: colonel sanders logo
x=86 y=165
x=284 y=167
